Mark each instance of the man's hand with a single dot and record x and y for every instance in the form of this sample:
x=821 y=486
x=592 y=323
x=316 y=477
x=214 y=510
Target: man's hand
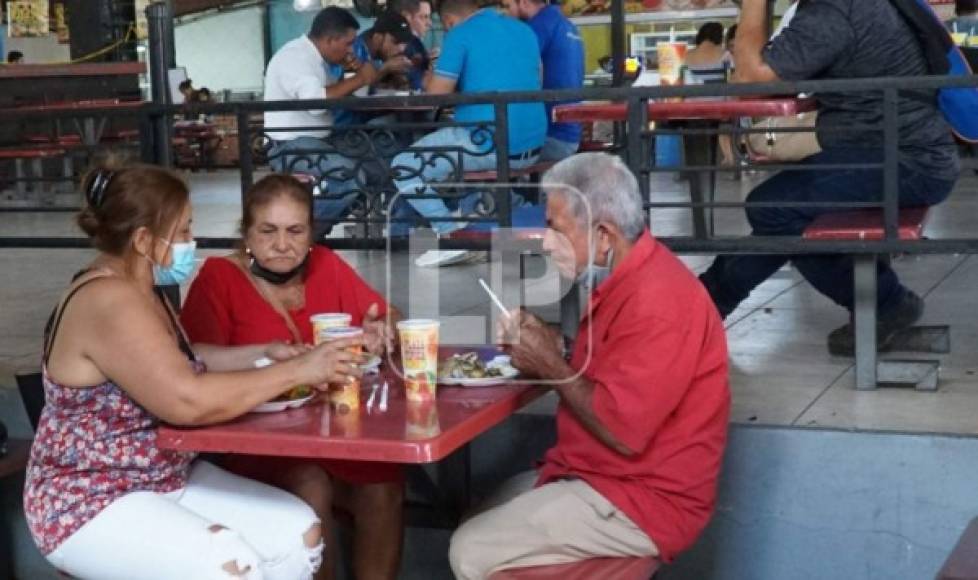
x=534 y=347
x=367 y=74
x=536 y=352
x=395 y=65
x=377 y=335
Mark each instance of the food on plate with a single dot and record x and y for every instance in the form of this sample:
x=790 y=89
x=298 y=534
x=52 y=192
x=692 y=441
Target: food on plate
x=467 y=365
x=296 y=392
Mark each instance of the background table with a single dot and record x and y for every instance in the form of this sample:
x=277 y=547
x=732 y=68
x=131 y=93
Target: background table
x=90 y=125
x=699 y=149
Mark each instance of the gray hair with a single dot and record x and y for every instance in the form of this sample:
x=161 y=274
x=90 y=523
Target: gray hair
x=603 y=184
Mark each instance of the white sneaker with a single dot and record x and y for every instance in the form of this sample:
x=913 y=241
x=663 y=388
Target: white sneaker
x=437 y=258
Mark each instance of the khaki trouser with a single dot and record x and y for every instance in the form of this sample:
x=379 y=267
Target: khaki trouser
x=562 y=521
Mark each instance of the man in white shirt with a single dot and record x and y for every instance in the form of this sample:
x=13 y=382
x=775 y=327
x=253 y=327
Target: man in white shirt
x=311 y=67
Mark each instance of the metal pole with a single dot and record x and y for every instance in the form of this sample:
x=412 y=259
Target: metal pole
x=769 y=21
x=617 y=42
x=501 y=140
x=245 y=160
x=891 y=152
x=171 y=41
x=636 y=152
x=159 y=20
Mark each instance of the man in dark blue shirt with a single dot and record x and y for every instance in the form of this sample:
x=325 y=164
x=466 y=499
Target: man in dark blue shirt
x=418 y=16
x=838 y=39
x=383 y=44
x=562 y=53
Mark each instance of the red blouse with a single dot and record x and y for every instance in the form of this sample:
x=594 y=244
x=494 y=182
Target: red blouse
x=224 y=308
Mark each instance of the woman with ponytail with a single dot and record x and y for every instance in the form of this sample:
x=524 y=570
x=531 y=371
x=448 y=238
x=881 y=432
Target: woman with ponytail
x=102 y=499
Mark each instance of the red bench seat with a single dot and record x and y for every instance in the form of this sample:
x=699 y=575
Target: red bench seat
x=490 y=174
x=32 y=153
x=593 y=569
x=962 y=562
x=865 y=224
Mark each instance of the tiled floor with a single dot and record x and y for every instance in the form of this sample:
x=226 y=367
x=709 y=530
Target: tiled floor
x=780 y=370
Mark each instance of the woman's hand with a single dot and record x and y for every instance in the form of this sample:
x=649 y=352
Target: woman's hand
x=330 y=362
x=280 y=351
x=377 y=335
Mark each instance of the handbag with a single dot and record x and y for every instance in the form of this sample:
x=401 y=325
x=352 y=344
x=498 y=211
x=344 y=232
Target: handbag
x=777 y=146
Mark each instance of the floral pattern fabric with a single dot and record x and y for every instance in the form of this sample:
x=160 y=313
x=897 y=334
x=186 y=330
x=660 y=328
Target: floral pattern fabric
x=93 y=445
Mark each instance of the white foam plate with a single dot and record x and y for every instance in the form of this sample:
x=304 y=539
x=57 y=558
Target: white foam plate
x=501 y=362
x=276 y=406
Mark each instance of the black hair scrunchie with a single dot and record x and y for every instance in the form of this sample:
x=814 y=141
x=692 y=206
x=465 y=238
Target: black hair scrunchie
x=96 y=191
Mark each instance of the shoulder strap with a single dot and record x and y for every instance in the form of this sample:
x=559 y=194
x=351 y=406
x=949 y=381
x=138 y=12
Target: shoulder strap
x=934 y=39
x=272 y=301
x=54 y=321
x=182 y=341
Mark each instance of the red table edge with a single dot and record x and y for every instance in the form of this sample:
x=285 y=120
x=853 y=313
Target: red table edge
x=22 y=71
x=80 y=105
x=417 y=452
x=715 y=109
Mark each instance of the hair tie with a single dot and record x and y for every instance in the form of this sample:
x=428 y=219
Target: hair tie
x=96 y=192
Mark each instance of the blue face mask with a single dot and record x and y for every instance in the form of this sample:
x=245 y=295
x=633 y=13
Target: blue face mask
x=182 y=267
x=593 y=275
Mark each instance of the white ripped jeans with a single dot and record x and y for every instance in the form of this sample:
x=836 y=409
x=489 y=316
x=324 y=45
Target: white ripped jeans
x=193 y=533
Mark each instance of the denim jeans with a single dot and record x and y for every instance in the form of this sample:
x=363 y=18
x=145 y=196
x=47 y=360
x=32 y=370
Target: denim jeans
x=731 y=278
x=430 y=167
x=304 y=155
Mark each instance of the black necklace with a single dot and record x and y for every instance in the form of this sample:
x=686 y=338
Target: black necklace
x=277 y=278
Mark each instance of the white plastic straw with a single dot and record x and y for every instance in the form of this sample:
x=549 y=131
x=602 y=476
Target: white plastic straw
x=495 y=299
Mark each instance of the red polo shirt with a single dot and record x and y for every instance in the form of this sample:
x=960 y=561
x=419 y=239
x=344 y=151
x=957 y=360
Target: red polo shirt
x=654 y=347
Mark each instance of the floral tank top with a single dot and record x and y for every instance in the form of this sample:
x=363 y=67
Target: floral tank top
x=92 y=446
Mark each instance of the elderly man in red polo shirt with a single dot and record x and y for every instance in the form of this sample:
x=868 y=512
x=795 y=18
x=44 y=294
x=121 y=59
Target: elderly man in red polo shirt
x=644 y=398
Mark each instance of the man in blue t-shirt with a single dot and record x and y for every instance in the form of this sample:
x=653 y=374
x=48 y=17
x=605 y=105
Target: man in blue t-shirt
x=483 y=51
x=562 y=53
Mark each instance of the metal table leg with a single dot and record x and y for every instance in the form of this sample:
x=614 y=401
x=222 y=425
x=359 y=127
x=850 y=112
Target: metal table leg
x=454 y=474
x=19 y=177
x=700 y=150
x=864 y=319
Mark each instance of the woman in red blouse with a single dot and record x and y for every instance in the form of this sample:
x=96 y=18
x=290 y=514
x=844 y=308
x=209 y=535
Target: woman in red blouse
x=266 y=292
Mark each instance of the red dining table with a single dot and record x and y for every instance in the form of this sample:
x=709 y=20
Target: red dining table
x=699 y=149
x=407 y=433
